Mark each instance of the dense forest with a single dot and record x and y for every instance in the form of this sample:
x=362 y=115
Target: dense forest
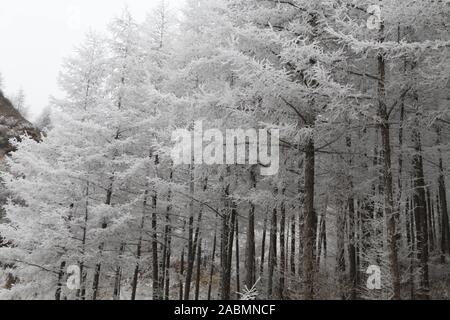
x=359 y=92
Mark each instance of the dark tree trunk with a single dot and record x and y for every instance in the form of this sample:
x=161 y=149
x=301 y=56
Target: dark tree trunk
x=60 y=280
x=224 y=272
x=213 y=258
x=101 y=247
x=340 y=255
x=410 y=241
x=387 y=175
x=292 y=255
x=250 y=250
x=420 y=216
x=353 y=267
x=199 y=265
x=282 y=246
x=118 y=275
x=443 y=209
x=81 y=293
x=191 y=244
x=139 y=248
x=155 y=261
x=430 y=221
x=353 y=275
x=310 y=221
x=272 y=252
x=228 y=222
x=230 y=249
x=238 y=280
x=181 y=274
x=263 y=245
x=168 y=241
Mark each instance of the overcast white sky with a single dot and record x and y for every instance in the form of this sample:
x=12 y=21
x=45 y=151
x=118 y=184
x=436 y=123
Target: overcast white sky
x=36 y=35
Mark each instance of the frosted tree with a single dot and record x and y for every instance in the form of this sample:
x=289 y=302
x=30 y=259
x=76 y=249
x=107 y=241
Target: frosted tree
x=361 y=106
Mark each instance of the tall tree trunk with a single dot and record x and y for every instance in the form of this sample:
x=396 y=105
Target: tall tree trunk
x=250 y=250
x=430 y=220
x=213 y=258
x=181 y=274
x=282 y=246
x=420 y=215
x=98 y=266
x=196 y=238
x=293 y=240
x=322 y=236
x=340 y=254
x=229 y=261
x=139 y=247
x=168 y=234
x=226 y=245
x=353 y=275
x=443 y=209
x=387 y=175
x=191 y=244
x=157 y=294
x=81 y=293
x=310 y=221
x=353 y=267
x=238 y=280
x=199 y=265
x=272 y=261
x=301 y=223
x=263 y=245
x=167 y=271
x=410 y=241
x=155 y=261
x=118 y=275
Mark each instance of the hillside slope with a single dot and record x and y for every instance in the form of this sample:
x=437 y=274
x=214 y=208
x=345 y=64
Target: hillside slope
x=12 y=124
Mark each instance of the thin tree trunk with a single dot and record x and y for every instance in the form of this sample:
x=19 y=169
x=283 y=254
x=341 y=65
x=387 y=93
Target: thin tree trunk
x=282 y=246
x=340 y=255
x=81 y=293
x=263 y=245
x=310 y=221
x=352 y=250
x=430 y=220
x=292 y=255
x=168 y=233
x=272 y=251
x=181 y=274
x=443 y=209
x=191 y=244
x=155 y=262
x=118 y=275
x=250 y=250
x=321 y=237
x=157 y=293
x=410 y=241
x=213 y=258
x=353 y=276
x=225 y=245
x=420 y=215
x=229 y=261
x=199 y=265
x=238 y=281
